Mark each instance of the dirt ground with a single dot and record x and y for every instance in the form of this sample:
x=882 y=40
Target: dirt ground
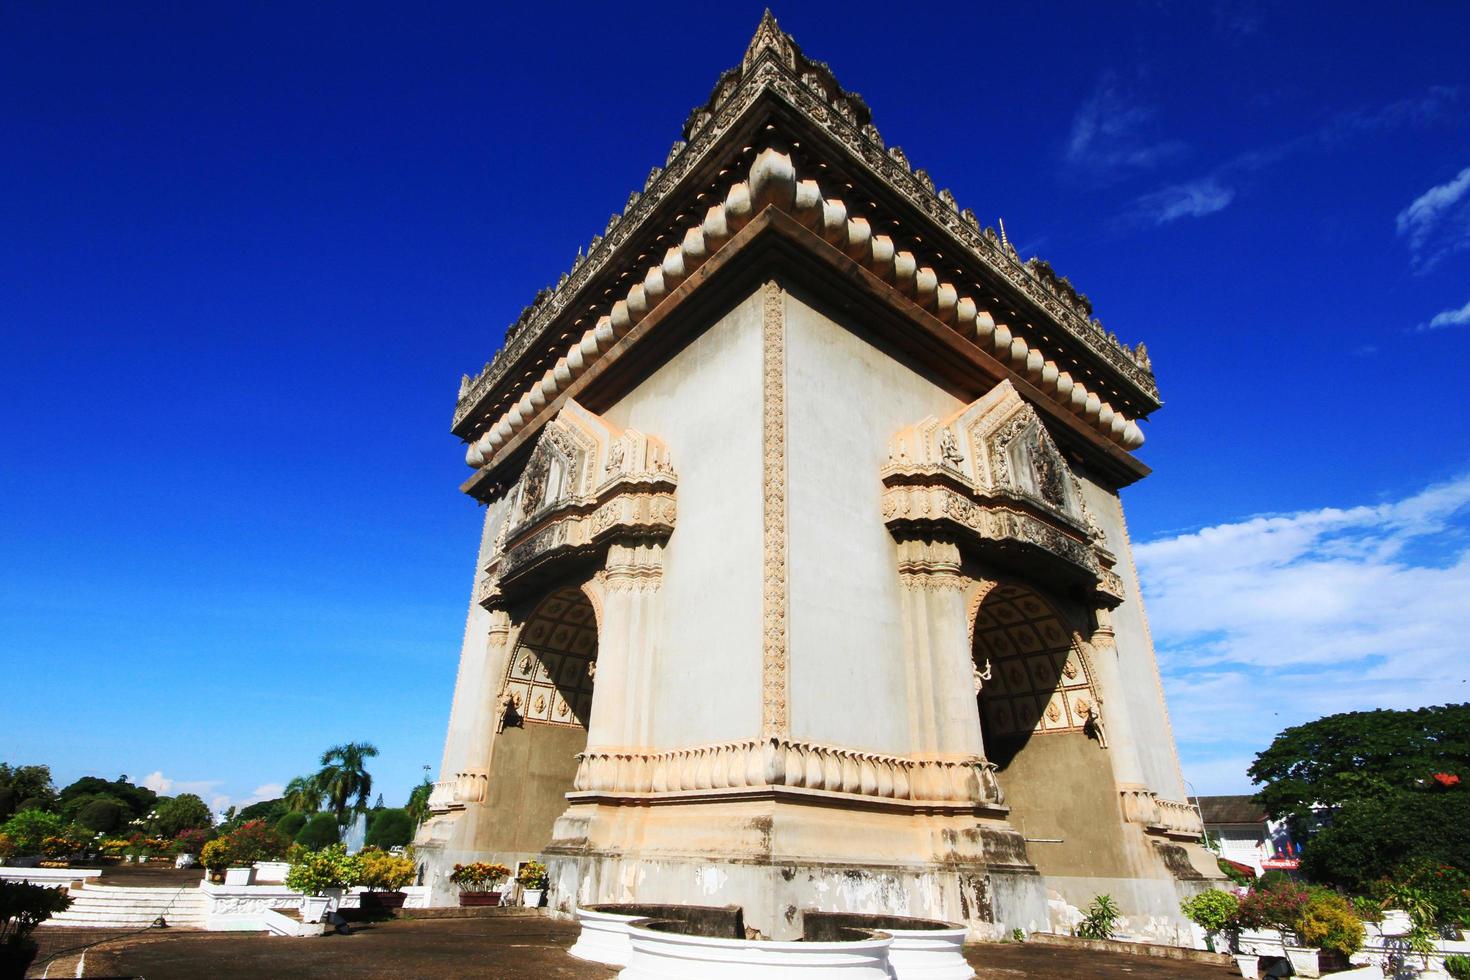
x=482 y=947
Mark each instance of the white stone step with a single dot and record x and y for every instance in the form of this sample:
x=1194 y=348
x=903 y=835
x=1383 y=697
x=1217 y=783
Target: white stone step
x=103 y=906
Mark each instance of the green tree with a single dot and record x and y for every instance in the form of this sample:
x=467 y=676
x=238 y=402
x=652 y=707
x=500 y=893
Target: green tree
x=270 y=811
x=291 y=823
x=102 y=815
x=344 y=779
x=1358 y=754
x=389 y=827
x=25 y=784
x=418 y=801
x=320 y=831
x=183 y=812
x=303 y=795
x=138 y=799
x=28 y=828
x=1368 y=791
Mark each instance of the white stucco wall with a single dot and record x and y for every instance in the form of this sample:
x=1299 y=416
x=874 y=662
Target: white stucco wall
x=705 y=404
x=845 y=399
x=1136 y=664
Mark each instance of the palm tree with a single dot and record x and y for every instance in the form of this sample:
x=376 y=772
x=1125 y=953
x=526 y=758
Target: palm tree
x=303 y=795
x=344 y=779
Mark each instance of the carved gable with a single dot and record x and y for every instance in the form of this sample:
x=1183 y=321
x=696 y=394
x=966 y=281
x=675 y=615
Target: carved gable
x=586 y=482
x=993 y=471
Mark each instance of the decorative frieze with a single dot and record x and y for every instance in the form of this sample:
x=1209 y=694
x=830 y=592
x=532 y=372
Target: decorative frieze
x=774 y=665
x=765 y=764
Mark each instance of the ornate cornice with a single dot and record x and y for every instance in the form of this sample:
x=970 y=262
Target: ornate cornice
x=753 y=766
x=773 y=64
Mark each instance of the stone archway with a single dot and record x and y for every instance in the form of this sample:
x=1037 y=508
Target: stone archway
x=546 y=693
x=1038 y=715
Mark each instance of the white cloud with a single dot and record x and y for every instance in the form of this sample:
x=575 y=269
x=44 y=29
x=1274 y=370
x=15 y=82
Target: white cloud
x=266 y=791
x=1194 y=199
x=1112 y=135
x=164 y=786
x=1449 y=318
x=1437 y=223
x=1280 y=619
x=157 y=782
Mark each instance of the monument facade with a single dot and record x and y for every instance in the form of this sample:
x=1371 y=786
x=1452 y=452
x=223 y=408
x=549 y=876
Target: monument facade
x=804 y=580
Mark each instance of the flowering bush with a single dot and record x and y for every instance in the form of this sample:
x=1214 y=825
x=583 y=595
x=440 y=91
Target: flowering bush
x=60 y=845
x=1443 y=886
x=252 y=841
x=386 y=872
x=330 y=867
x=191 y=841
x=1277 y=908
x=7 y=848
x=532 y=875
x=113 y=846
x=474 y=877
x=28 y=828
x=1328 y=922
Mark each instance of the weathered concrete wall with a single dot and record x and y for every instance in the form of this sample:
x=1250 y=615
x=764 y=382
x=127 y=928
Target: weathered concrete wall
x=530 y=775
x=705 y=404
x=845 y=399
x=1136 y=664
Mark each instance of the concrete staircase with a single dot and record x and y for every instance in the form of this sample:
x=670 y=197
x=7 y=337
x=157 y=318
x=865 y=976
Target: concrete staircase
x=120 y=907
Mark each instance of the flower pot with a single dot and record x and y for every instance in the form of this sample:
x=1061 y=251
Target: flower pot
x=320 y=908
x=381 y=901
x=531 y=897
x=468 y=899
x=1249 y=965
x=1303 y=961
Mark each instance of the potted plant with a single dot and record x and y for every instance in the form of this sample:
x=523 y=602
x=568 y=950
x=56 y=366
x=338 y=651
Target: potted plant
x=24 y=906
x=385 y=875
x=187 y=846
x=532 y=879
x=479 y=883
x=1213 y=911
x=321 y=877
x=1330 y=924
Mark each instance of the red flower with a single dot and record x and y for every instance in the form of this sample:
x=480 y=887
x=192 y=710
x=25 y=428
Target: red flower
x=1446 y=779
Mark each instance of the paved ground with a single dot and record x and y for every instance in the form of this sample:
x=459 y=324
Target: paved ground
x=487 y=947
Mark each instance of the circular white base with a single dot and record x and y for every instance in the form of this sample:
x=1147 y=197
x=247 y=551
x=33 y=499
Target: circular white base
x=670 y=956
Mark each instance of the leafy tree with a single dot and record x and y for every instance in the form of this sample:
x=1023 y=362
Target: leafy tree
x=270 y=811
x=138 y=799
x=303 y=795
x=102 y=815
x=25 y=784
x=1368 y=791
x=344 y=779
x=28 y=828
x=389 y=828
x=291 y=823
x=320 y=831
x=183 y=812
x=418 y=801
x=1346 y=757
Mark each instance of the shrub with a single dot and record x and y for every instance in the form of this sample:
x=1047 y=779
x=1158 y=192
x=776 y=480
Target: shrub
x=183 y=812
x=191 y=841
x=1099 y=918
x=7 y=848
x=1457 y=967
x=1213 y=910
x=61 y=845
x=24 y=906
x=1273 y=879
x=390 y=828
x=1444 y=886
x=250 y=842
x=330 y=867
x=102 y=815
x=29 y=828
x=290 y=824
x=382 y=871
x=1328 y=922
x=1234 y=874
x=319 y=832
x=474 y=877
x=1278 y=907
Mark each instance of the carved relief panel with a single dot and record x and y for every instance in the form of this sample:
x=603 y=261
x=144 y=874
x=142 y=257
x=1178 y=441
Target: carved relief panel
x=549 y=678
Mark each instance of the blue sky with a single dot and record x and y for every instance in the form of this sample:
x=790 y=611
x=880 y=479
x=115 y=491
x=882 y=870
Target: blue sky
x=246 y=252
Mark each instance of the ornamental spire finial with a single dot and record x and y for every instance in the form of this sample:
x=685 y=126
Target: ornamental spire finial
x=768 y=35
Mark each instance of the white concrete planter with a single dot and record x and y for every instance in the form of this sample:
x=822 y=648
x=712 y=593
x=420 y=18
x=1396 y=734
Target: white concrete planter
x=659 y=955
x=923 y=949
x=239 y=876
x=271 y=872
x=1249 y=964
x=531 y=897
x=184 y=861
x=319 y=908
x=1304 y=961
x=604 y=937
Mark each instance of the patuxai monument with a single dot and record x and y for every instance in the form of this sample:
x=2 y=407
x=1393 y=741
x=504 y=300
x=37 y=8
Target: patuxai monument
x=804 y=582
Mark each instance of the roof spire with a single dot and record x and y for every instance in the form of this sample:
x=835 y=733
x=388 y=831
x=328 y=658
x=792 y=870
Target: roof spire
x=768 y=35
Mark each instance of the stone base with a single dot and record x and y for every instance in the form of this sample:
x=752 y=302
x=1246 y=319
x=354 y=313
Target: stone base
x=775 y=858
